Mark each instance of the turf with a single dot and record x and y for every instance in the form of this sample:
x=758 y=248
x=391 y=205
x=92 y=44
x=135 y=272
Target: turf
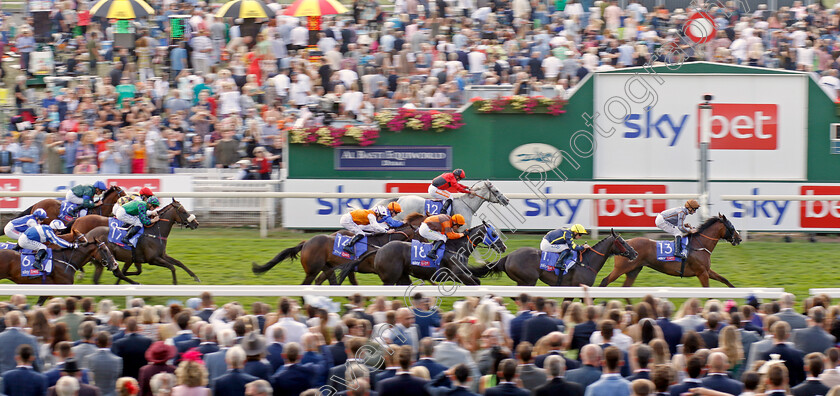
x=223 y=256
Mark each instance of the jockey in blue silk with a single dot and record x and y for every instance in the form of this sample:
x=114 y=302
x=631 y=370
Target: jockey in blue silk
x=562 y=240
x=136 y=213
x=393 y=210
x=35 y=239
x=361 y=221
x=84 y=196
x=673 y=222
x=19 y=225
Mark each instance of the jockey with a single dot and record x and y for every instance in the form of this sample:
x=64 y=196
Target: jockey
x=15 y=227
x=35 y=239
x=440 y=228
x=443 y=184
x=562 y=240
x=673 y=222
x=361 y=221
x=393 y=209
x=83 y=196
x=136 y=213
x=144 y=194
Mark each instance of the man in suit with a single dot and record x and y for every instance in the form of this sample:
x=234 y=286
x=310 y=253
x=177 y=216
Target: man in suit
x=590 y=371
x=215 y=362
x=293 y=330
x=812 y=386
x=663 y=376
x=583 y=332
x=748 y=338
x=607 y=330
x=182 y=320
x=69 y=385
x=259 y=310
x=23 y=380
x=787 y=314
x=208 y=343
x=193 y=342
x=611 y=382
x=292 y=378
x=104 y=365
x=555 y=367
x=320 y=362
x=274 y=352
x=64 y=353
x=207 y=307
x=791 y=356
x=391 y=367
x=427 y=350
x=72 y=370
x=132 y=349
x=423 y=317
x=641 y=356
x=717 y=379
x=694 y=369
x=830 y=377
x=531 y=376
x=690 y=320
x=403 y=383
x=758 y=348
x=337 y=350
x=556 y=340
x=711 y=332
x=539 y=325
x=525 y=306
x=71 y=318
x=814 y=338
x=458 y=376
x=358 y=310
x=747 y=315
x=488 y=349
x=406 y=332
x=777 y=381
x=449 y=353
x=233 y=382
x=86 y=345
x=507 y=386
x=13 y=337
x=336 y=377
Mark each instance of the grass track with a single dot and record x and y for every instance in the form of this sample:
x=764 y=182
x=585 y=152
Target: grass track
x=223 y=256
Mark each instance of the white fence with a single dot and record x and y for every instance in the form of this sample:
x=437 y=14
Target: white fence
x=831 y=292
x=444 y=290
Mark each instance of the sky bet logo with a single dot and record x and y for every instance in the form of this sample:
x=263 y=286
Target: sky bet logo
x=734 y=126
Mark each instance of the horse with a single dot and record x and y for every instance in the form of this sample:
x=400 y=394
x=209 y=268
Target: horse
x=66 y=262
x=393 y=261
x=316 y=253
x=104 y=207
x=700 y=245
x=151 y=247
x=466 y=204
x=523 y=265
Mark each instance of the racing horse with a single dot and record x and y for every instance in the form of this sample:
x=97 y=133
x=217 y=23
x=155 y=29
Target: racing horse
x=151 y=247
x=393 y=261
x=466 y=204
x=522 y=266
x=104 y=207
x=66 y=262
x=700 y=245
x=316 y=253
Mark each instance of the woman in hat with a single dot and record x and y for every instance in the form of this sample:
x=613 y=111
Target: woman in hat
x=157 y=355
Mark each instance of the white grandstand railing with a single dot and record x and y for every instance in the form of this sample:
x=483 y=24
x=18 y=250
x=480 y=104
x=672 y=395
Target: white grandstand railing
x=831 y=292
x=443 y=290
x=780 y=197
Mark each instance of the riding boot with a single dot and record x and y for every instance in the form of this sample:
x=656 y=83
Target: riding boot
x=349 y=246
x=132 y=232
x=432 y=255
x=446 y=203
x=678 y=247
x=40 y=256
x=560 y=274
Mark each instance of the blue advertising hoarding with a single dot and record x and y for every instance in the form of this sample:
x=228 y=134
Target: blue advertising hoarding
x=391 y=158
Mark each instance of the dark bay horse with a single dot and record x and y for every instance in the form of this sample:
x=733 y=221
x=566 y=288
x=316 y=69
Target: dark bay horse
x=393 y=262
x=151 y=247
x=700 y=246
x=104 y=207
x=523 y=265
x=316 y=253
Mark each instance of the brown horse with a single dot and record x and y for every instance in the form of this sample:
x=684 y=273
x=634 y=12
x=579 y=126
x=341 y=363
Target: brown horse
x=316 y=254
x=87 y=223
x=104 y=207
x=151 y=247
x=65 y=264
x=701 y=243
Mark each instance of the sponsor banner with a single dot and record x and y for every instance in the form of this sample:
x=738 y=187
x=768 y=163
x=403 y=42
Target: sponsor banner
x=131 y=183
x=644 y=128
x=547 y=214
x=391 y=158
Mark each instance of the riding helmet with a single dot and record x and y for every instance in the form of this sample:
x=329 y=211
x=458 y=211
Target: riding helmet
x=692 y=204
x=458 y=219
x=394 y=207
x=40 y=214
x=100 y=185
x=459 y=174
x=578 y=228
x=153 y=201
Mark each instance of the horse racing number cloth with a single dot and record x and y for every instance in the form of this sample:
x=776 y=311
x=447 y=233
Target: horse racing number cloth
x=665 y=249
x=117 y=230
x=67 y=207
x=341 y=240
x=420 y=251
x=433 y=207
x=27 y=260
x=549 y=259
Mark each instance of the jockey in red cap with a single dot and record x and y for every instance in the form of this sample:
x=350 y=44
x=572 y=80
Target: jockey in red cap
x=444 y=184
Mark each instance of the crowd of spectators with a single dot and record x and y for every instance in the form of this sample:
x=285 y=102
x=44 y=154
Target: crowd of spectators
x=227 y=94
x=387 y=348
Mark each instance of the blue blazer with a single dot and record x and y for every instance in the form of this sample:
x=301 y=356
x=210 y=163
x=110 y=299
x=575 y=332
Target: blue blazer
x=24 y=382
x=672 y=332
x=274 y=356
x=582 y=334
x=613 y=386
x=132 y=348
x=258 y=369
x=723 y=383
x=425 y=323
x=402 y=385
x=319 y=365
x=793 y=362
x=10 y=340
x=570 y=364
x=516 y=327
x=54 y=374
x=215 y=364
x=683 y=387
x=339 y=353
x=434 y=367
x=291 y=380
x=232 y=383
x=584 y=376
x=375 y=378
x=536 y=327
x=506 y=390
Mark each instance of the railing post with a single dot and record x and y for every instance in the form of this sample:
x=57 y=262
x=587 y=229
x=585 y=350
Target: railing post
x=264 y=217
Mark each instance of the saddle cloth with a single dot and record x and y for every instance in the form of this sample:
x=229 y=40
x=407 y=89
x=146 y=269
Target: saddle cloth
x=27 y=261
x=548 y=260
x=117 y=230
x=420 y=251
x=64 y=213
x=665 y=249
x=433 y=207
x=341 y=240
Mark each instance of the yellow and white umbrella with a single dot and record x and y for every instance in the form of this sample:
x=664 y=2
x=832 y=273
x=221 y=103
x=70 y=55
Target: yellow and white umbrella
x=245 y=9
x=121 y=9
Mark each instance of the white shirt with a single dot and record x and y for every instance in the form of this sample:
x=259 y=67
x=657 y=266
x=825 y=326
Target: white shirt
x=300 y=36
x=620 y=340
x=198 y=44
x=552 y=66
x=293 y=330
x=476 y=61
x=352 y=101
x=281 y=83
x=348 y=77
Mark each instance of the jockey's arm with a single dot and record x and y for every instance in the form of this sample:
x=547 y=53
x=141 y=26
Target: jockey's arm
x=52 y=238
x=392 y=222
x=374 y=224
x=454 y=235
x=462 y=188
x=31 y=222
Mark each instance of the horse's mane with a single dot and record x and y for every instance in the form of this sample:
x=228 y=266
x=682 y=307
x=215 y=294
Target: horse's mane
x=412 y=217
x=708 y=223
x=599 y=243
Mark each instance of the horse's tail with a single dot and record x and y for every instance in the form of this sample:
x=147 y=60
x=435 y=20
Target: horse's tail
x=291 y=252
x=494 y=268
x=350 y=267
x=25 y=212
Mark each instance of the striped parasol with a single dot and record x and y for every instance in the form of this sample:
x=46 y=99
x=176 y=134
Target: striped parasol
x=245 y=9
x=121 y=9
x=302 y=8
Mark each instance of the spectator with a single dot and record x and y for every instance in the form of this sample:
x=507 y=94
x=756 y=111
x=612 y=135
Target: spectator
x=132 y=349
x=192 y=379
x=530 y=375
x=792 y=357
x=11 y=339
x=403 y=383
x=717 y=378
x=794 y=320
x=258 y=388
x=24 y=380
x=157 y=355
x=86 y=345
x=292 y=378
x=71 y=373
x=104 y=365
x=555 y=368
x=611 y=381
x=814 y=364
x=162 y=384
x=830 y=377
x=694 y=372
x=813 y=338
x=127 y=386
x=292 y=329
x=590 y=371
x=663 y=376
x=233 y=382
